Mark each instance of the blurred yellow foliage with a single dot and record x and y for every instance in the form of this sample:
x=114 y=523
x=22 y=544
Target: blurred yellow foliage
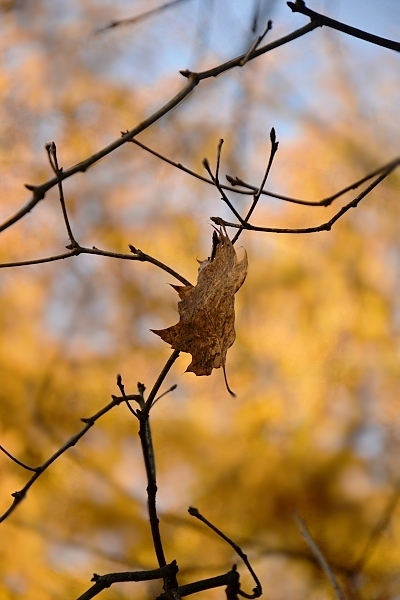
x=315 y=427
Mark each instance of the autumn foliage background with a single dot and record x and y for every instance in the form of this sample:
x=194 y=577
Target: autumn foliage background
x=315 y=425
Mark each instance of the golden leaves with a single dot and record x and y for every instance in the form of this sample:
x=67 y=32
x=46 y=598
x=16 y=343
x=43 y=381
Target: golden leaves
x=207 y=314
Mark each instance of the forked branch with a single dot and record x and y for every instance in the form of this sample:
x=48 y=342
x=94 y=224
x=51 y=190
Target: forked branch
x=300 y=7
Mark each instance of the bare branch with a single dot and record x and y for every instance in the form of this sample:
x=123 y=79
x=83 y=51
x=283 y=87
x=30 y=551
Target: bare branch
x=40 y=191
x=257 y=591
x=136 y=255
x=235 y=62
x=230 y=579
x=18 y=462
x=143 y=414
x=235 y=181
x=315 y=549
x=256 y=43
x=90 y=421
x=105 y=581
x=325 y=226
x=52 y=154
x=217 y=184
x=168 y=391
x=151 y=398
x=300 y=7
x=274 y=150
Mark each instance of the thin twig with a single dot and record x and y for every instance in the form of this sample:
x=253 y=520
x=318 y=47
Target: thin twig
x=151 y=397
x=256 y=43
x=324 y=227
x=300 y=7
x=315 y=549
x=136 y=254
x=186 y=170
x=18 y=462
x=274 y=149
x=231 y=578
x=90 y=421
x=217 y=184
x=171 y=389
x=235 y=181
x=257 y=591
x=235 y=62
x=127 y=401
x=51 y=149
x=105 y=581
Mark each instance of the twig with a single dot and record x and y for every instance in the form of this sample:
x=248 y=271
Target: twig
x=300 y=7
x=235 y=62
x=90 y=421
x=127 y=401
x=105 y=581
x=256 y=43
x=235 y=181
x=230 y=579
x=39 y=261
x=18 y=462
x=274 y=149
x=52 y=154
x=319 y=556
x=324 y=227
x=151 y=398
x=139 y=255
x=141 y=17
x=149 y=462
x=136 y=254
x=257 y=591
x=186 y=170
x=217 y=184
x=171 y=389
x=39 y=191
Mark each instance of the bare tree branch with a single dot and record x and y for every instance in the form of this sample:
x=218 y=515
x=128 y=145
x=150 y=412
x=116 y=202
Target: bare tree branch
x=19 y=462
x=300 y=7
x=236 y=181
x=256 y=43
x=236 y=62
x=105 y=581
x=90 y=421
x=136 y=254
x=274 y=150
x=39 y=191
x=231 y=578
x=52 y=154
x=257 y=591
x=325 y=226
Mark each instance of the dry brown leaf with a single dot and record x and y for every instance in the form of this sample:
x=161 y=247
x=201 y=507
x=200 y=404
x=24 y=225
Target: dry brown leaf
x=207 y=314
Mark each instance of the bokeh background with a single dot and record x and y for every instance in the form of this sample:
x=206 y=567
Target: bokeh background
x=315 y=426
